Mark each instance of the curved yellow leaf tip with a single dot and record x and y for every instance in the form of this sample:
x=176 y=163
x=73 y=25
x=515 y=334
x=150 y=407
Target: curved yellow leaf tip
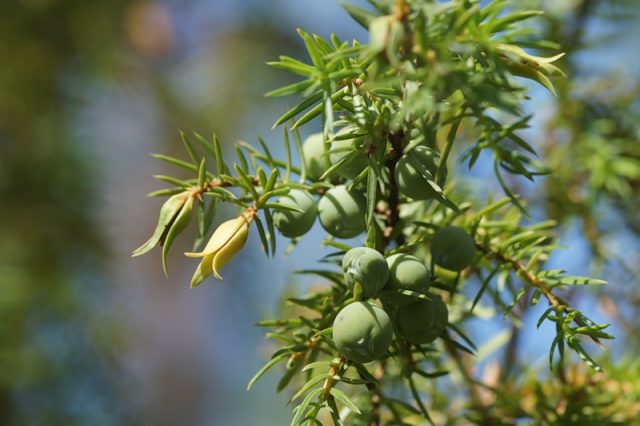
x=227 y=241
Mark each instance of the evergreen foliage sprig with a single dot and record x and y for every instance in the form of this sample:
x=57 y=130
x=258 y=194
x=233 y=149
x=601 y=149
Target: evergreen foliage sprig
x=435 y=79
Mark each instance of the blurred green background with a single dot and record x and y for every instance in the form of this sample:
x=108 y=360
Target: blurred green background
x=88 y=89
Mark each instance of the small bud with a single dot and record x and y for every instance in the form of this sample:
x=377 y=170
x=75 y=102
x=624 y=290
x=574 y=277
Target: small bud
x=177 y=226
x=536 y=68
x=227 y=241
x=536 y=62
x=168 y=214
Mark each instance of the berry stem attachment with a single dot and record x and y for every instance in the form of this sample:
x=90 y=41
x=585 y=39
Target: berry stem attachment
x=357 y=292
x=336 y=366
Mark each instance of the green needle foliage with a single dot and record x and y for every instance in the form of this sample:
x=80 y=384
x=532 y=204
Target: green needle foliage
x=435 y=78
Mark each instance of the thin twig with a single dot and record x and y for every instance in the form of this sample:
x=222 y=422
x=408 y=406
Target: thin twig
x=523 y=272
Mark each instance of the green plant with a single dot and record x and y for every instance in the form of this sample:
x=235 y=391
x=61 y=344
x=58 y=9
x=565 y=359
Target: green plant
x=296 y=223
x=340 y=148
x=423 y=321
x=315 y=156
x=435 y=78
x=452 y=248
x=362 y=332
x=408 y=277
x=414 y=170
x=341 y=212
x=367 y=268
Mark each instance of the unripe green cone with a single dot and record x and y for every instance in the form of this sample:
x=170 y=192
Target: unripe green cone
x=423 y=321
x=406 y=272
x=452 y=248
x=295 y=224
x=366 y=266
x=315 y=156
x=342 y=212
x=362 y=332
x=412 y=171
x=352 y=168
